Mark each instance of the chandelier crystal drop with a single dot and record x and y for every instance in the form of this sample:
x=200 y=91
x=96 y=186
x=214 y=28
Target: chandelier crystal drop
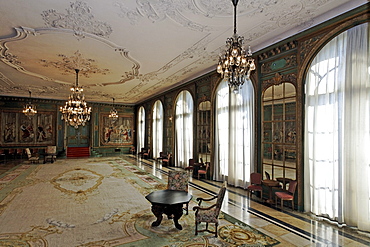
x=236 y=64
x=76 y=112
x=113 y=114
x=29 y=109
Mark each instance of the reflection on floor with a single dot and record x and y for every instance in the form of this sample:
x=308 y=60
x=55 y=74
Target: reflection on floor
x=291 y=228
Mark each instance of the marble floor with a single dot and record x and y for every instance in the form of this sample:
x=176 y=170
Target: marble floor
x=290 y=227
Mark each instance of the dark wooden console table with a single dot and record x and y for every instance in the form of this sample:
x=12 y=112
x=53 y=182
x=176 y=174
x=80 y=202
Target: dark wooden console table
x=168 y=202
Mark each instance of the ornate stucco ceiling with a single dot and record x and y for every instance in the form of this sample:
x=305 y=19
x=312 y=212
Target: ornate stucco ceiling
x=131 y=50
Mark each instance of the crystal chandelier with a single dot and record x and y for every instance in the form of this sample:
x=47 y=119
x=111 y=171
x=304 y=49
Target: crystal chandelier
x=113 y=114
x=29 y=109
x=236 y=64
x=75 y=112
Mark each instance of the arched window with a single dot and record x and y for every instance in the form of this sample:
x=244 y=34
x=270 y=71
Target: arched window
x=337 y=130
x=234 y=136
x=184 y=128
x=157 y=128
x=141 y=129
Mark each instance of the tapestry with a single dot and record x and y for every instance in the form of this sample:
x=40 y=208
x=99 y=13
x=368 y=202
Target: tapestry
x=118 y=132
x=20 y=130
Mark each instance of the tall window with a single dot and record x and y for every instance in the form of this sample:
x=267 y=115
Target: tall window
x=337 y=131
x=141 y=129
x=234 y=136
x=184 y=128
x=157 y=128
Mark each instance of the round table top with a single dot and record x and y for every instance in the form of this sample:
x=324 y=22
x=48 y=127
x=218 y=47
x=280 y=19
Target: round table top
x=286 y=180
x=169 y=197
x=271 y=183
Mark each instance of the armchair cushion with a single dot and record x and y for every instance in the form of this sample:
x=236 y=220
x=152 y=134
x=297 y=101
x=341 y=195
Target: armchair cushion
x=284 y=195
x=209 y=216
x=254 y=187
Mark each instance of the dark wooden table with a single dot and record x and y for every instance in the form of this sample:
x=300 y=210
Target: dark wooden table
x=168 y=202
x=270 y=184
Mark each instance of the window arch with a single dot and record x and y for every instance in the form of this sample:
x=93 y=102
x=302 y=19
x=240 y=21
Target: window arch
x=234 y=138
x=141 y=129
x=337 y=130
x=157 y=128
x=184 y=128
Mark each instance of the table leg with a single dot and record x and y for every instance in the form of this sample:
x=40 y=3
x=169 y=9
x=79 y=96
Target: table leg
x=177 y=213
x=270 y=196
x=157 y=210
x=170 y=210
x=174 y=212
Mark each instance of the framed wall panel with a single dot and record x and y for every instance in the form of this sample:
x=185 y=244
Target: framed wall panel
x=117 y=133
x=19 y=130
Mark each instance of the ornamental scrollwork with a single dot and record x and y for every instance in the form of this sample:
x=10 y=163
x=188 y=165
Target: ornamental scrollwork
x=280 y=78
x=79 y=19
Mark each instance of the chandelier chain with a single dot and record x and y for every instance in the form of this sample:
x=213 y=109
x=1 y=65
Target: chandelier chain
x=113 y=114
x=76 y=112
x=236 y=64
x=29 y=109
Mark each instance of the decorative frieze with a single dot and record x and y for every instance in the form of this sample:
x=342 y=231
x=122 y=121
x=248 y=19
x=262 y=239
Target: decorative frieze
x=286 y=62
x=280 y=78
x=278 y=50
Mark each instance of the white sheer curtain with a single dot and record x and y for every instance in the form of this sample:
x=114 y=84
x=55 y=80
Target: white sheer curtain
x=234 y=136
x=184 y=129
x=337 y=130
x=141 y=129
x=157 y=128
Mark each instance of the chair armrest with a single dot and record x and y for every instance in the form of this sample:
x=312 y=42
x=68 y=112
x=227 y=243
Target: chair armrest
x=200 y=199
x=196 y=208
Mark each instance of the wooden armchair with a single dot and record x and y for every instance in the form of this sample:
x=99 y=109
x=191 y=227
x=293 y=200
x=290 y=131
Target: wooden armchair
x=256 y=184
x=2 y=154
x=143 y=150
x=209 y=214
x=50 y=154
x=191 y=165
x=31 y=158
x=166 y=161
x=203 y=171
x=162 y=156
x=146 y=154
x=287 y=195
x=20 y=153
x=179 y=180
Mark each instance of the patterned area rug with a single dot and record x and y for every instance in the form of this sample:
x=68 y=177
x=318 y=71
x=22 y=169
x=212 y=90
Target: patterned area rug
x=98 y=202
